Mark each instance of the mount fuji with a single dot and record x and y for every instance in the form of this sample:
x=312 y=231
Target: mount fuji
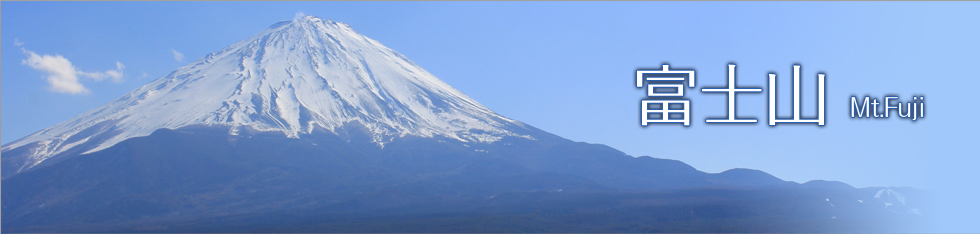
x=293 y=77
x=309 y=126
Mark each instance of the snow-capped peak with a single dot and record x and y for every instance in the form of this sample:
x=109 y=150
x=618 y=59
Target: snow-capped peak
x=292 y=77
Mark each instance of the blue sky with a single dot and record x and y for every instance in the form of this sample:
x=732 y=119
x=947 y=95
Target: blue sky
x=567 y=68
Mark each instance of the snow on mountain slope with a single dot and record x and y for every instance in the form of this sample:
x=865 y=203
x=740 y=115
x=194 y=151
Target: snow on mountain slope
x=292 y=77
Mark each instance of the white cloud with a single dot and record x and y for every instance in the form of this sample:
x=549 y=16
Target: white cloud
x=177 y=55
x=63 y=77
x=17 y=42
x=299 y=15
x=115 y=75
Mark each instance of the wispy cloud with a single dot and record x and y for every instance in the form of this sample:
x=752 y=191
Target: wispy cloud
x=177 y=55
x=17 y=42
x=63 y=77
x=115 y=75
x=299 y=15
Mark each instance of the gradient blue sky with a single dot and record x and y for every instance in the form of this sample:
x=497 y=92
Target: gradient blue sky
x=567 y=68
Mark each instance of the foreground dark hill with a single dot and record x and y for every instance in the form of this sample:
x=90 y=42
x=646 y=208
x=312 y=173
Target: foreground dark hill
x=199 y=179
